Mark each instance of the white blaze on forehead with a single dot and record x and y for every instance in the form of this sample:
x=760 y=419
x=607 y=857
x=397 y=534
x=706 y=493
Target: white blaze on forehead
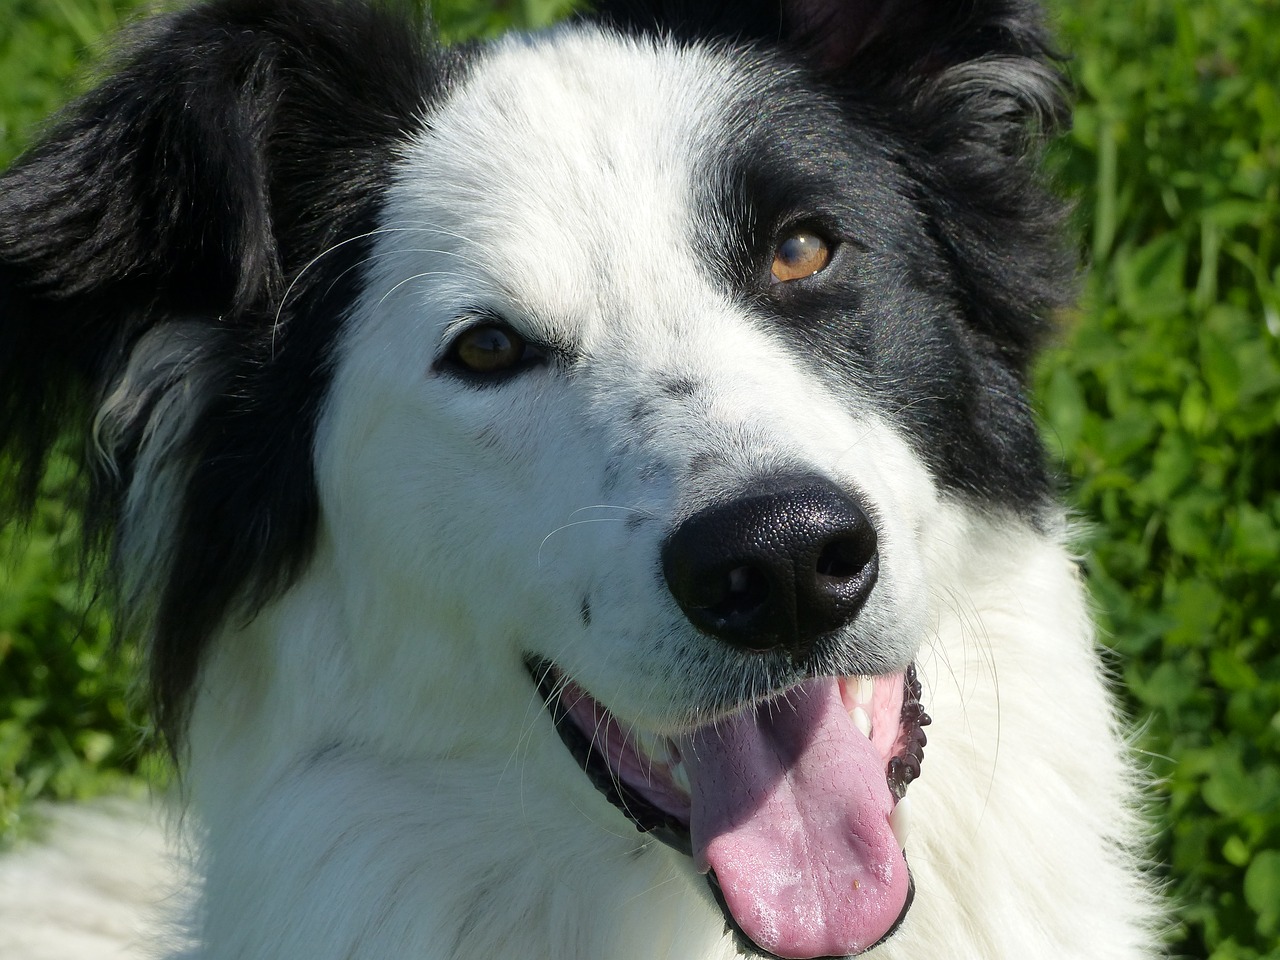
x=561 y=176
x=566 y=184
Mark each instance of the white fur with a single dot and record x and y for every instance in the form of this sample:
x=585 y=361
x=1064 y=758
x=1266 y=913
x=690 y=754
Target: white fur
x=372 y=768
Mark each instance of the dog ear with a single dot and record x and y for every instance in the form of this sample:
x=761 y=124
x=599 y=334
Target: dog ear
x=228 y=146
x=899 y=47
x=888 y=41
x=153 y=255
x=878 y=37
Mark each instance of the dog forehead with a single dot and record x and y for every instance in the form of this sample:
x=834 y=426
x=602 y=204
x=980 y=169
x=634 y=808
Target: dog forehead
x=567 y=176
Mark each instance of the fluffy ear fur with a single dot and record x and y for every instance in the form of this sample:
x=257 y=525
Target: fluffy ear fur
x=870 y=42
x=152 y=259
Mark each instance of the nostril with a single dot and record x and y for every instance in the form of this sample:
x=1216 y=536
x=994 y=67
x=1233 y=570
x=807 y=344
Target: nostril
x=743 y=591
x=846 y=557
x=740 y=579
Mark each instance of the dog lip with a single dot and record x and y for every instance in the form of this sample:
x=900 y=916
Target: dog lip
x=584 y=725
x=904 y=750
x=647 y=817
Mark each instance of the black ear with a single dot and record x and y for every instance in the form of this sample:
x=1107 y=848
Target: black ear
x=891 y=40
x=879 y=39
x=232 y=142
x=900 y=49
x=153 y=264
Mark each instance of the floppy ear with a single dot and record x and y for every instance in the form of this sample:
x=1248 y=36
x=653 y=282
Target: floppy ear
x=146 y=247
x=229 y=146
x=886 y=40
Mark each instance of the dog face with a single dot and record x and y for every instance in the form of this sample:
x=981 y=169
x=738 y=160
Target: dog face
x=643 y=376
x=694 y=337
x=660 y=316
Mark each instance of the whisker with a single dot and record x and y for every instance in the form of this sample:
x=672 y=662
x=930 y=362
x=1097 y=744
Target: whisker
x=410 y=279
x=399 y=227
x=572 y=523
x=617 y=506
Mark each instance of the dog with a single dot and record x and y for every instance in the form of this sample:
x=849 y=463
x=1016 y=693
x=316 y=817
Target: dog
x=566 y=484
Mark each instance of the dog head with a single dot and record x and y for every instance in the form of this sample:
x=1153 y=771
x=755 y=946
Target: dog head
x=638 y=354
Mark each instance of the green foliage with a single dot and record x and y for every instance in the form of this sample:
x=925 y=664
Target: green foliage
x=458 y=19
x=65 y=729
x=43 y=44
x=1165 y=404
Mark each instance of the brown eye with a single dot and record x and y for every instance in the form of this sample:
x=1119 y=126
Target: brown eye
x=489 y=348
x=798 y=256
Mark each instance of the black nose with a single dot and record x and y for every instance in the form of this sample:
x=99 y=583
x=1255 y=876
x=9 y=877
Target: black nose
x=777 y=569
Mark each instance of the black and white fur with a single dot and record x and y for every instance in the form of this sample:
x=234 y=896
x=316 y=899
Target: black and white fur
x=239 y=271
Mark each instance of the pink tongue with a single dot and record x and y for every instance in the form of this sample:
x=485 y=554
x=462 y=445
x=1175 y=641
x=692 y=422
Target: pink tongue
x=791 y=811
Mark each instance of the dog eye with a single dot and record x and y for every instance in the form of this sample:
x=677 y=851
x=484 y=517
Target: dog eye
x=800 y=255
x=490 y=348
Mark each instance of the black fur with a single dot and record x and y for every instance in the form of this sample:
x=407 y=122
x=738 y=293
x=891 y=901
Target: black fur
x=934 y=308
x=235 y=142
x=892 y=45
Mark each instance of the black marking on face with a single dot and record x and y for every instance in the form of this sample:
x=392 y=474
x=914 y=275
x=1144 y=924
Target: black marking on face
x=702 y=463
x=612 y=474
x=640 y=411
x=931 y=304
x=679 y=388
x=651 y=472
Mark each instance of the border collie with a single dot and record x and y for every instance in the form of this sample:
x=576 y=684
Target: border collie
x=558 y=480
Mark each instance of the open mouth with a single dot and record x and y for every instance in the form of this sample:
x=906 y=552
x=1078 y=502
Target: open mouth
x=795 y=807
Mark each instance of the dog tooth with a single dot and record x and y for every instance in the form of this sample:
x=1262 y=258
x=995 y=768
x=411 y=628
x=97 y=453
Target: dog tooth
x=650 y=745
x=680 y=777
x=866 y=689
x=900 y=821
x=861 y=720
x=674 y=756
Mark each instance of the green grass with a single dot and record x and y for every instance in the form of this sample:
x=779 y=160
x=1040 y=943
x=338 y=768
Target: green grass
x=1162 y=404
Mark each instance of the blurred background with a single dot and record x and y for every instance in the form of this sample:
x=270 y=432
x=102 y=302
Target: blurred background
x=1160 y=404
